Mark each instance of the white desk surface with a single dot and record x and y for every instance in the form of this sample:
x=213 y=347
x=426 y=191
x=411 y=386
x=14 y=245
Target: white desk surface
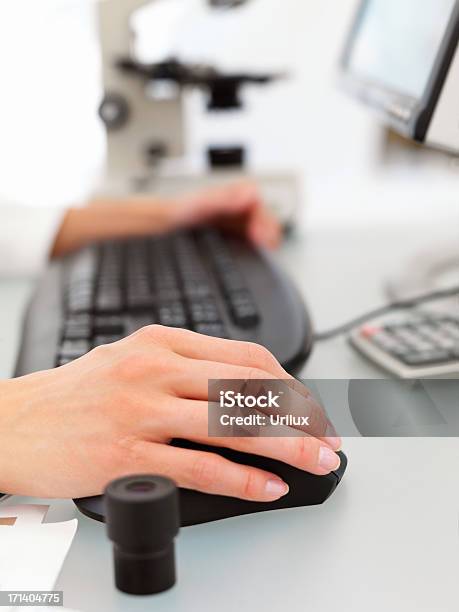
x=387 y=540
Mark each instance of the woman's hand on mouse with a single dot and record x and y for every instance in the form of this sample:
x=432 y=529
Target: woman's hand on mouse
x=67 y=432
x=237 y=207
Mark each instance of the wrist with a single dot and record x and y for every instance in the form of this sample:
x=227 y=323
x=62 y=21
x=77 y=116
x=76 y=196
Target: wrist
x=10 y=394
x=185 y=210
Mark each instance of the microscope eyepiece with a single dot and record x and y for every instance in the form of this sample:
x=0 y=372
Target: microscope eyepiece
x=142 y=522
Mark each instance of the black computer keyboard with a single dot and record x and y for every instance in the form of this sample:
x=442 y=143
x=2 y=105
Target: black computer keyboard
x=199 y=280
x=163 y=279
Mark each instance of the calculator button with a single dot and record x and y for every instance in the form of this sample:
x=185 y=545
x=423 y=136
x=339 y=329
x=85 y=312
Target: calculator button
x=389 y=343
x=426 y=358
x=446 y=343
x=450 y=329
x=400 y=351
x=409 y=337
x=370 y=331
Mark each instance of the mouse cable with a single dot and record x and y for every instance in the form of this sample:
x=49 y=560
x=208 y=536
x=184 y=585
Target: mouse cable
x=397 y=305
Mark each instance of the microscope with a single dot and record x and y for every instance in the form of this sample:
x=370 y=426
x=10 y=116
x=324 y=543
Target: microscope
x=143 y=110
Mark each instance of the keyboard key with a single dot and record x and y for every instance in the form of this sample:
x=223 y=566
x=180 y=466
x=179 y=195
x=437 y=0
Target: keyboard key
x=77 y=332
x=109 y=302
x=243 y=309
x=204 y=312
x=72 y=349
x=80 y=297
x=139 y=291
x=140 y=301
x=61 y=361
x=217 y=330
x=168 y=294
x=105 y=339
x=79 y=319
x=109 y=325
x=196 y=291
x=172 y=315
x=232 y=281
x=77 y=326
x=138 y=321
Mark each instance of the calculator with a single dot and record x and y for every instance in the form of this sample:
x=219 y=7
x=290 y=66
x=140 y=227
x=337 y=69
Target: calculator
x=419 y=346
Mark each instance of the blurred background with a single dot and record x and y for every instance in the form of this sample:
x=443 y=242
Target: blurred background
x=353 y=172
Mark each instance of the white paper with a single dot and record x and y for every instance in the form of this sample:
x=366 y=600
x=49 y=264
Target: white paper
x=32 y=553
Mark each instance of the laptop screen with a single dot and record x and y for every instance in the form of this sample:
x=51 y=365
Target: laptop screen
x=396 y=43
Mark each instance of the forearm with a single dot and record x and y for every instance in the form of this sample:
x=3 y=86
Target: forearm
x=236 y=208
x=103 y=220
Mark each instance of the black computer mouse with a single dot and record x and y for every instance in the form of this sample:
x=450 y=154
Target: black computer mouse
x=195 y=507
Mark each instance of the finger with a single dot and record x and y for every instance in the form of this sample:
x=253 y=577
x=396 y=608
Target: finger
x=194 y=383
x=264 y=229
x=217 y=359
x=220 y=351
x=293 y=404
x=209 y=473
x=231 y=199
x=199 y=347
x=190 y=421
x=257 y=222
x=242 y=197
x=240 y=207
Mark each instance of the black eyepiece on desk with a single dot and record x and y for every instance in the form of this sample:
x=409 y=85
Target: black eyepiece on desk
x=142 y=521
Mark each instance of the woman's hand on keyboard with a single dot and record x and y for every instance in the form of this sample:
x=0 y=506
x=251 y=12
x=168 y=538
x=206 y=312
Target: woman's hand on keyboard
x=67 y=432
x=237 y=207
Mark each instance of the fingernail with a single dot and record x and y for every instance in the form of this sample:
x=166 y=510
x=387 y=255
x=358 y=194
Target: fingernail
x=328 y=460
x=335 y=443
x=276 y=488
